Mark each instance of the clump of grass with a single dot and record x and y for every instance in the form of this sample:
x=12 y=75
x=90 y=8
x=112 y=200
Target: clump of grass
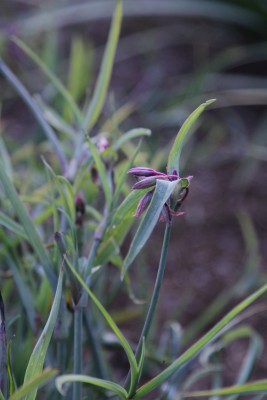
x=58 y=248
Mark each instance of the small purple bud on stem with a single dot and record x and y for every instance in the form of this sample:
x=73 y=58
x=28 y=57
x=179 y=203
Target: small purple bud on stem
x=148 y=182
x=146 y=172
x=143 y=203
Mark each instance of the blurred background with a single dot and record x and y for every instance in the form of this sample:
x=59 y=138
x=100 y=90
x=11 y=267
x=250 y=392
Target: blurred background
x=172 y=56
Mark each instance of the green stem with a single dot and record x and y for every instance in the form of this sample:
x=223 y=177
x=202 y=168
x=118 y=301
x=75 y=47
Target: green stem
x=78 y=350
x=155 y=296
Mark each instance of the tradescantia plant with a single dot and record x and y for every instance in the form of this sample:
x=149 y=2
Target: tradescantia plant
x=165 y=195
x=58 y=240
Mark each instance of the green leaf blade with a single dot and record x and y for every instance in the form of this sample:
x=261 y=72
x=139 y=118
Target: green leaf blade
x=32 y=385
x=132 y=134
x=36 y=362
x=162 y=192
x=247 y=388
x=174 y=157
x=27 y=224
x=13 y=226
x=51 y=76
x=36 y=111
x=101 y=383
x=96 y=104
x=112 y=325
x=190 y=353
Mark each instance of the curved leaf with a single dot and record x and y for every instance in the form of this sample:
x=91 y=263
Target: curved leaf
x=198 y=346
x=174 y=157
x=33 y=384
x=133 y=133
x=107 y=385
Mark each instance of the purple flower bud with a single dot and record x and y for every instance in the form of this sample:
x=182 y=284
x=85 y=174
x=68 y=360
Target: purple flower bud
x=148 y=182
x=146 y=172
x=148 y=178
x=143 y=203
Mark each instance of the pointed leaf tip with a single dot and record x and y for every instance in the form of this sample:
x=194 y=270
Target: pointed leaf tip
x=174 y=156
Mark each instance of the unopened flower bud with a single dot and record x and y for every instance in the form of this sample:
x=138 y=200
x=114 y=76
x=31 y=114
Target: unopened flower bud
x=148 y=182
x=146 y=172
x=143 y=203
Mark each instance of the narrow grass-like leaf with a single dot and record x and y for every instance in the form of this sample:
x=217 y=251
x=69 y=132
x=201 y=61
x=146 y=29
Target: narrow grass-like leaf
x=78 y=351
x=101 y=383
x=28 y=225
x=101 y=169
x=198 y=346
x=193 y=378
x=253 y=353
x=132 y=134
x=1 y=395
x=33 y=384
x=56 y=121
x=27 y=98
x=5 y=158
x=69 y=197
x=113 y=326
x=36 y=362
x=174 y=157
x=162 y=192
x=96 y=104
x=66 y=194
x=53 y=78
x=80 y=67
x=142 y=357
x=24 y=293
x=119 y=227
x=13 y=226
x=247 y=388
x=52 y=199
x=11 y=379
